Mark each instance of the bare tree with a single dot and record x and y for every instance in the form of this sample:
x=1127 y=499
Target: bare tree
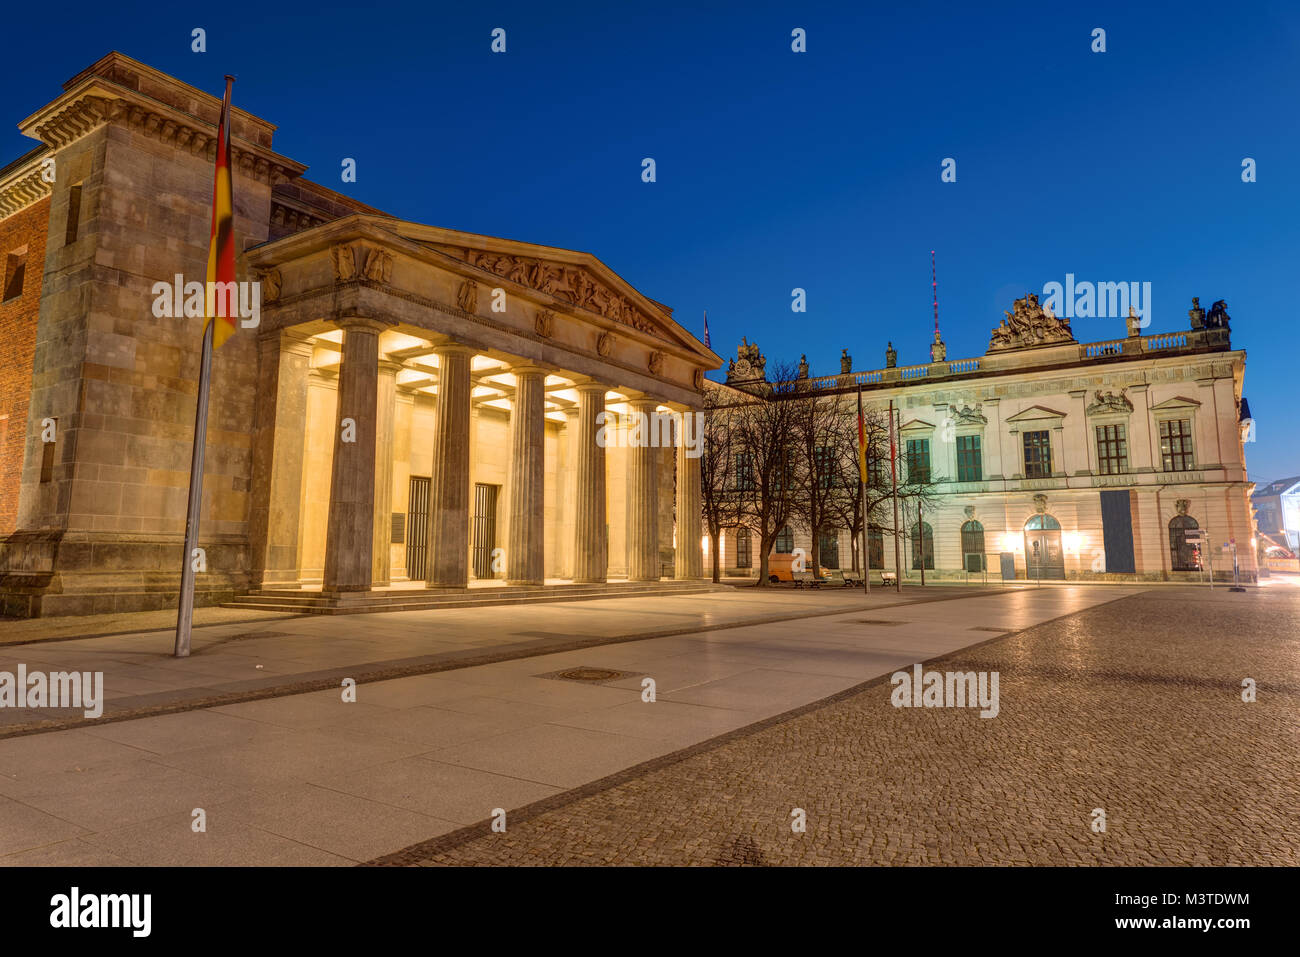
x=763 y=431
x=822 y=429
x=719 y=498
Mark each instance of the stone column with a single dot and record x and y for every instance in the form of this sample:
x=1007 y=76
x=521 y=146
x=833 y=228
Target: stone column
x=590 y=541
x=688 y=562
x=280 y=416
x=526 y=549
x=642 y=495
x=994 y=468
x=448 y=559
x=565 y=493
x=385 y=420
x=349 y=540
x=1139 y=438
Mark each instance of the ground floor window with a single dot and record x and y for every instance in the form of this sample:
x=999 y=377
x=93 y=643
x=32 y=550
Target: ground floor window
x=744 y=549
x=828 y=549
x=875 y=547
x=972 y=546
x=784 y=542
x=922 y=545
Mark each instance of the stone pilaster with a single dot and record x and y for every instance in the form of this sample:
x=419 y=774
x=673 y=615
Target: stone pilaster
x=590 y=539
x=448 y=559
x=566 y=494
x=642 y=495
x=385 y=421
x=688 y=561
x=350 y=538
x=526 y=550
x=280 y=417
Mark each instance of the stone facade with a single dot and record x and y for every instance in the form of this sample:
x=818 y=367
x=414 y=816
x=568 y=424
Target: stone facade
x=1140 y=439
x=361 y=315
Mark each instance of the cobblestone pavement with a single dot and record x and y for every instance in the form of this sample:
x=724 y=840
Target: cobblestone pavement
x=1134 y=707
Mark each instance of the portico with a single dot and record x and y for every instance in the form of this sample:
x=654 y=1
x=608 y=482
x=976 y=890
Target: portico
x=428 y=411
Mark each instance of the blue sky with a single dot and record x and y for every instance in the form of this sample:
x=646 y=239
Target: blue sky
x=778 y=170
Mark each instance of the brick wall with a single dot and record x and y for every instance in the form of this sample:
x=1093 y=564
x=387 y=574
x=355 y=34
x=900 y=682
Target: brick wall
x=17 y=345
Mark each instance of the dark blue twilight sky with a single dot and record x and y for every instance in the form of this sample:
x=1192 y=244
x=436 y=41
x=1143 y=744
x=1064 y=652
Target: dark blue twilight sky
x=775 y=170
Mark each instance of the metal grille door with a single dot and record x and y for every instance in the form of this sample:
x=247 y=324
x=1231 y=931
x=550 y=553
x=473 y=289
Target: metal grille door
x=485 y=529
x=417 y=529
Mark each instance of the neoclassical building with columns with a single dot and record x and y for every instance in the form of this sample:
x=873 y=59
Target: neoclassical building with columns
x=418 y=409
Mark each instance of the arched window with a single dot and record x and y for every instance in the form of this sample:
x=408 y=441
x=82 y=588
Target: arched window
x=972 y=546
x=784 y=542
x=828 y=549
x=744 y=549
x=922 y=545
x=875 y=547
x=1186 y=557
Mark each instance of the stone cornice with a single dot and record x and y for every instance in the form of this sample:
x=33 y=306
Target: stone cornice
x=23 y=185
x=96 y=101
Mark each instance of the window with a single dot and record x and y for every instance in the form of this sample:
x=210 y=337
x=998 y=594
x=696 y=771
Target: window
x=744 y=549
x=1038 y=455
x=744 y=472
x=972 y=546
x=875 y=547
x=15 y=271
x=1185 y=556
x=824 y=466
x=969 y=466
x=784 y=542
x=918 y=460
x=877 y=470
x=828 y=549
x=922 y=545
x=74 y=215
x=1112 y=450
x=1176 y=445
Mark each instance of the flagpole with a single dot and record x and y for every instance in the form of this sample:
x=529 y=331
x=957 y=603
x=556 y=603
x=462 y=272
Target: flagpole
x=863 y=458
x=185 y=615
x=893 y=473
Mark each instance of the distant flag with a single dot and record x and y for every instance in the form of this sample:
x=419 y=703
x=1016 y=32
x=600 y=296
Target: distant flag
x=707 y=344
x=862 y=441
x=222 y=309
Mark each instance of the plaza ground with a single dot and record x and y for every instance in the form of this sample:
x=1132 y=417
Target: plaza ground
x=1113 y=697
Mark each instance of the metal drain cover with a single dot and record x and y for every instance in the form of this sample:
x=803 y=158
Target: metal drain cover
x=877 y=621
x=985 y=628
x=588 y=675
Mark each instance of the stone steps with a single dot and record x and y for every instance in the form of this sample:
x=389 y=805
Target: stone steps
x=314 y=603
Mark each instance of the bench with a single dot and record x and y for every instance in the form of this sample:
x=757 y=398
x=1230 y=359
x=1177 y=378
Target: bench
x=888 y=578
x=807 y=578
x=835 y=576
x=852 y=579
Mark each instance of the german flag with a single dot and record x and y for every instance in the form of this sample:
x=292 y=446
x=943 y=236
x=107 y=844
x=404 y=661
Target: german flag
x=862 y=441
x=222 y=299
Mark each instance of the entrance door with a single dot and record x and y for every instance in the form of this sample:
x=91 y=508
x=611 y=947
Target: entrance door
x=417 y=528
x=1044 y=557
x=485 y=529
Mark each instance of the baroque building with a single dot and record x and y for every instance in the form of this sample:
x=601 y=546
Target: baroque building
x=1049 y=457
x=416 y=406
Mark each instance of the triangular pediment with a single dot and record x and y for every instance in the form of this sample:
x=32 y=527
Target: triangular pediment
x=1177 y=402
x=915 y=425
x=1035 y=412
x=575 y=282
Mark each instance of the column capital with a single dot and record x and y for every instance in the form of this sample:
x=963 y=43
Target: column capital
x=361 y=324
x=453 y=349
x=527 y=368
x=390 y=366
x=588 y=384
x=642 y=400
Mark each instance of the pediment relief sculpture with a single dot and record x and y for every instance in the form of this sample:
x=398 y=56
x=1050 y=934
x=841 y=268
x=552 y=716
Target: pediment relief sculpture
x=570 y=284
x=544 y=324
x=272 y=284
x=467 y=296
x=355 y=261
x=1110 y=402
x=1027 y=326
x=968 y=416
x=655 y=363
x=605 y=344
x=345 y=267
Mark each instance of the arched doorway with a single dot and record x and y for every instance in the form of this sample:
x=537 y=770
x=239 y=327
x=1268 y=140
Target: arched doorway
x=1044 y=557
x=1184 y=555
